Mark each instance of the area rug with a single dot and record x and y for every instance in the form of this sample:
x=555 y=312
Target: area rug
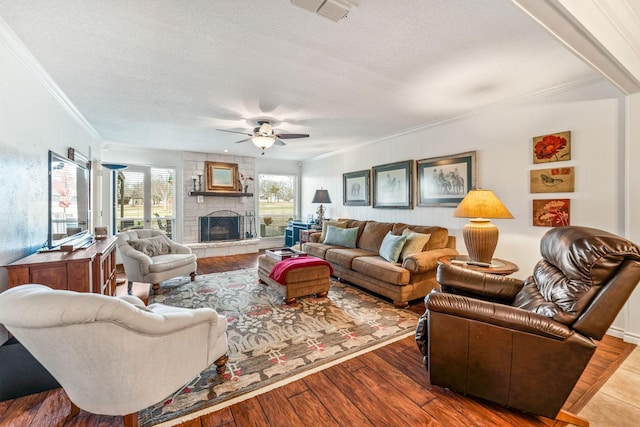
x=270 y=343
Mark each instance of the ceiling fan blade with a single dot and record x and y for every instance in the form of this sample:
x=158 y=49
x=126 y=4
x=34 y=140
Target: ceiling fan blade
x=233 y=131
x=242 y=140
x=292 y=135
x=279 y=142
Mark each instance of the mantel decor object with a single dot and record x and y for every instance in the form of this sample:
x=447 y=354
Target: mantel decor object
x=480 y=235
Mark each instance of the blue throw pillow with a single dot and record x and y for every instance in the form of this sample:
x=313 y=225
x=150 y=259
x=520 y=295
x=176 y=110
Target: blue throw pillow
x=391 y=247
x=341 y=236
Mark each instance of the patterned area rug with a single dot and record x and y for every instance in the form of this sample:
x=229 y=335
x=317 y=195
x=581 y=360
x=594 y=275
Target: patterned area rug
x=271 y=344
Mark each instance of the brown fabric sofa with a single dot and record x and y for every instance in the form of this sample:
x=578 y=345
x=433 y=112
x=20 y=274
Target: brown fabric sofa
x=402 y=282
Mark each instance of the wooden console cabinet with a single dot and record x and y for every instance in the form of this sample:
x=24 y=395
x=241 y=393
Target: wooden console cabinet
x=85 y=270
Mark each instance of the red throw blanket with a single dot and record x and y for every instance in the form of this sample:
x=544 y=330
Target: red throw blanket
x=280 y=269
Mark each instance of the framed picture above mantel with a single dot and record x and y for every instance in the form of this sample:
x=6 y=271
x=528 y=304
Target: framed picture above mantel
x=221 y=177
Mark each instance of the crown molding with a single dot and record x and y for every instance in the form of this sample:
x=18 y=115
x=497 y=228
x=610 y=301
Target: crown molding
x=575 y=29
x=14 y=45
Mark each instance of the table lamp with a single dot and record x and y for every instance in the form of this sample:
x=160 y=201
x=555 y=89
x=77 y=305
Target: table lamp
x=321 y=196
x=480 y=235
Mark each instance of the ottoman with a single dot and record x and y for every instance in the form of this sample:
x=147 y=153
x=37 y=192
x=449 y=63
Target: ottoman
x=300 y=281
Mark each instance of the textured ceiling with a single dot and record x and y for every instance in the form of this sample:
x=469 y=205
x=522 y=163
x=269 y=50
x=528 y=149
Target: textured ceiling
x=166 y=73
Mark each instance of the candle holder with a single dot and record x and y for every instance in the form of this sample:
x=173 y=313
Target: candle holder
x=193 y=178
x=199 y=182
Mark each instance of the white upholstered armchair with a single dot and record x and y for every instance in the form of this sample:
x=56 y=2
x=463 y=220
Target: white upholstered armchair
x=113 y=355
x=149 y=256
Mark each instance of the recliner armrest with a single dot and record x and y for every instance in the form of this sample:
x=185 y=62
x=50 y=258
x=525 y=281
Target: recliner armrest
x=459 y=280
x=496 y=314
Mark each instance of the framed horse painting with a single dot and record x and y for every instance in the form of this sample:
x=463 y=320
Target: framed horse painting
x=393 y=186
x=444 y=181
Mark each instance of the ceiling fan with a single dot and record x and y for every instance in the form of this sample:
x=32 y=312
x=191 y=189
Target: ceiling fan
x=263 y=136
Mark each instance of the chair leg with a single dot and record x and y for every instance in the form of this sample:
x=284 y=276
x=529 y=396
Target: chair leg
x=129 y=287
x=131 y=420
x=156 y=288
x=221 y=364
x=572 y=418
x=193 y=276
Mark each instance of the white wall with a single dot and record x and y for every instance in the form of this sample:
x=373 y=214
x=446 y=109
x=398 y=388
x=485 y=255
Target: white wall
x=595 y=115
x=32 y=122
x=631 y=313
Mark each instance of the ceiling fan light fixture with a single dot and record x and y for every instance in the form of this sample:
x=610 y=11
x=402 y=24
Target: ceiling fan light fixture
x=263 y=141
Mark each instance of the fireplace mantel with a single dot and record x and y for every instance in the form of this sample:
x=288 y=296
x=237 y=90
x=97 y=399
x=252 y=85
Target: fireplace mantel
x=220 y=194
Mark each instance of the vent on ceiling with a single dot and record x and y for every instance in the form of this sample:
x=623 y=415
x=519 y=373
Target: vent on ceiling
x=331 y=9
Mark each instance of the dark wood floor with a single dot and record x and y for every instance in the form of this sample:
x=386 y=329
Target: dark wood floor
x=386 y=387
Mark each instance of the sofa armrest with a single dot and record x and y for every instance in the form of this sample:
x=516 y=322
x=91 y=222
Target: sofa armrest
x=421 y=262
x=496 y=314
x=458 y=280
x=314 y=237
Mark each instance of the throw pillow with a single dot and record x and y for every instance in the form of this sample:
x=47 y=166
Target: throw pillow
x=391 y=247
x=326 y=224
x=415 y=242
x=341 y=236
x=151 y=246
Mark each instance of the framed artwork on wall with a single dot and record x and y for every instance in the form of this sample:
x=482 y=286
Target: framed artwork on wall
x=392 y=185
x=551 y=212
x=553 y=147
x=555 y=180
x=444 y=181
x=355 y=188
x=221 y=176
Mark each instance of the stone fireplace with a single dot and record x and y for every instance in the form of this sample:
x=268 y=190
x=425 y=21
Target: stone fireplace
x=220 y=226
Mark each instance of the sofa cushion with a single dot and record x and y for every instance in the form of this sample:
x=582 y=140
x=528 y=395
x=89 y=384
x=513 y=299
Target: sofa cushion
x=351 y=223
x=391 y=247
x=439 y=235
x=344 y=257
x=381 y=269
x=151 y=246
x=318 y=249
x=326 y=224
x=373 y=234
x=415 y=242
x=341 y=236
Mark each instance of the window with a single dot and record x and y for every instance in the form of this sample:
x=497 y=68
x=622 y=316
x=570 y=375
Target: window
x=276 y=204
x=144 y=199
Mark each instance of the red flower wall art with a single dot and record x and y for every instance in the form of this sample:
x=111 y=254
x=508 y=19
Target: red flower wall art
x=552 y=148
x=551 y=213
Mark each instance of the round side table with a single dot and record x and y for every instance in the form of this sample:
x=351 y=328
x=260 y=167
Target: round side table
x=498 y=266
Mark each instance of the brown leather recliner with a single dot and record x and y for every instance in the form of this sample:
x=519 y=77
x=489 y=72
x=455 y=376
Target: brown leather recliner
x=524 y=344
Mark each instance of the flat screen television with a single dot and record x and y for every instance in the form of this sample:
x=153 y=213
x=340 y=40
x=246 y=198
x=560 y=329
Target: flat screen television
x=69 y=200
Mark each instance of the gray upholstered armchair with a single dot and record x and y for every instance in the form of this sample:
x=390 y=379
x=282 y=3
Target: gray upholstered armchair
x=149 y=256
x=524 y=344
x=113 y=355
